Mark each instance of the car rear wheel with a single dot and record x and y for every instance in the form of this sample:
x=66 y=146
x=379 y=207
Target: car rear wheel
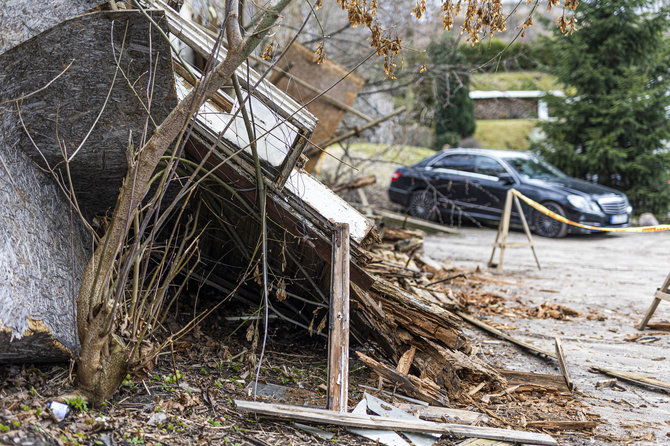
x=422 y=204
x=546 y=226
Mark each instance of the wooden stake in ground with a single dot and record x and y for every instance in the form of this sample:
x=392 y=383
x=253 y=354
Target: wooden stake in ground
x=503 y=231
x=562 y=365
x=338 y=335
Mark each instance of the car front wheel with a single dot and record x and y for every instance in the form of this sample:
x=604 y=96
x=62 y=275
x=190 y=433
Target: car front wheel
x=546 y=226
x=422 y=204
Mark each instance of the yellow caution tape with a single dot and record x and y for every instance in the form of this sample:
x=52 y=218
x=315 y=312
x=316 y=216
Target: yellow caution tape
x=538 y=207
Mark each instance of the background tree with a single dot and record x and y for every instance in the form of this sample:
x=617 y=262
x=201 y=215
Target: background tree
x=454 y=117
x=611 y=127
x=442 y=98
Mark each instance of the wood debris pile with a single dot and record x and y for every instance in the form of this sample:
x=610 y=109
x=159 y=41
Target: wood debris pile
x=488 y=303
x=411 y=314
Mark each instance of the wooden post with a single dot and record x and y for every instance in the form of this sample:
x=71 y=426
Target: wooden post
x=503 y=232
x=338 y=334
x=562 y=365
x=660 y=294
x=526 y=229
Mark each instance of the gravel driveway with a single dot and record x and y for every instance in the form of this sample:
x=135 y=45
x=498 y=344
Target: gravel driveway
x=609 y=277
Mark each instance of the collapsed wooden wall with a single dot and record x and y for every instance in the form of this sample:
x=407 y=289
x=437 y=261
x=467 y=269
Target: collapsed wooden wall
x=300 y=62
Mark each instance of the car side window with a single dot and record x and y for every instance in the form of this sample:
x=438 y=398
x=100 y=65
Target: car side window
x=465 y=163
x=488 y=166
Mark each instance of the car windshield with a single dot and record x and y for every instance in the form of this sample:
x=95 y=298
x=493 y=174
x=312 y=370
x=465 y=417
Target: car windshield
x=534 y=168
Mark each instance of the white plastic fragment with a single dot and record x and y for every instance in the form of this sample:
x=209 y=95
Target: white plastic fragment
x=315 y=431
x=157 y=419
x=60 y=410
x=386 y=437
x=382 y=408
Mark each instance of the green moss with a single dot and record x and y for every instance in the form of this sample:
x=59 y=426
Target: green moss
x=504 y=133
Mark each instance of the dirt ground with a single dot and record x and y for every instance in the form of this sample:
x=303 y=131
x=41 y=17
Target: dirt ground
x=610 y=280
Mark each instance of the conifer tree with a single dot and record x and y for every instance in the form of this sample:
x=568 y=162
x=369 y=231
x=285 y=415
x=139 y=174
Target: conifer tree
x=454 y=114
x=612 y=125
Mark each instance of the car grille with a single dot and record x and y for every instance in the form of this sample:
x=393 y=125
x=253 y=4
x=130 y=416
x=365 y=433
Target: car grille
x=613 y=205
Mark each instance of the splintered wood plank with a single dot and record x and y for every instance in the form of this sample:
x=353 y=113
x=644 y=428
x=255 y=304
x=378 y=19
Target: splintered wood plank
x=636 y=378
x=323 y=416
x=484 y=326
x=561 y=363
x=423 y=389
x=441 y=413
x=405 y=361
x=562 y=425
x=338 y=337
x=545 y=381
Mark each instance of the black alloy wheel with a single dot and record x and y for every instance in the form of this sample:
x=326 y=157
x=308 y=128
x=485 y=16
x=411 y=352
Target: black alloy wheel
x=422 y=204
x=546 y=226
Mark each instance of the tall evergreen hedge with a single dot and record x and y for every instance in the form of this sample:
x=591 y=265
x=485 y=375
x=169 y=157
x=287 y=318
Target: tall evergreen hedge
x=612 y=126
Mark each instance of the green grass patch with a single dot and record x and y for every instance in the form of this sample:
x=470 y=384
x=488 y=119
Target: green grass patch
x=515 y=80
x=504 y=133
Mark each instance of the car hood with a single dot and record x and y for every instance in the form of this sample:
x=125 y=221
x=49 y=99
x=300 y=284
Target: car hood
x=576 y=186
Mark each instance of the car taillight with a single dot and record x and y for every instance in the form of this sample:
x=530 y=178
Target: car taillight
x=395 y=176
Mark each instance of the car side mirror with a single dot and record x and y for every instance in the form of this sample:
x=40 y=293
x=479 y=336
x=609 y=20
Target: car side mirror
x=505 y=178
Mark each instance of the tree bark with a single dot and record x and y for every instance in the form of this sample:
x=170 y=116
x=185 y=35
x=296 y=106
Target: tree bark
x=101 y=366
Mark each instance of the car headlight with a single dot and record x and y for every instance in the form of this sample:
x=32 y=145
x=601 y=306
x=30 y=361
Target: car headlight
x=582 y=203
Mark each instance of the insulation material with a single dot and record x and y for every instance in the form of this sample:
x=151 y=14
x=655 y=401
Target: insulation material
x=23 y=19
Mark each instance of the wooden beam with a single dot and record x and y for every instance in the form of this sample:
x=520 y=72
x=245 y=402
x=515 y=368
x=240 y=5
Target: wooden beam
x=562 y=425
x=322 y=416
x=561 y=363
x=338 y=335
x=484 y=326
x=530 y=380
x=636 y=378
x=411 y=222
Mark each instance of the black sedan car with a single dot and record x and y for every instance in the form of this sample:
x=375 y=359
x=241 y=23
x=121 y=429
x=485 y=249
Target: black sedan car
x=474 y=183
